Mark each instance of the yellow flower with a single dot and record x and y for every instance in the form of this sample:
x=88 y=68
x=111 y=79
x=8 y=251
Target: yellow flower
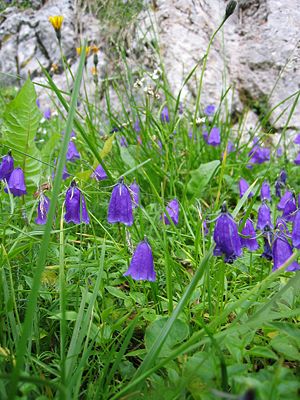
x=56 y=21
x=94 y=49
x=87 y=50
x=94 y=71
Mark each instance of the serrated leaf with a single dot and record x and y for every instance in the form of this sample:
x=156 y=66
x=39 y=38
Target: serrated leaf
x=201 y=177
x=20 y=122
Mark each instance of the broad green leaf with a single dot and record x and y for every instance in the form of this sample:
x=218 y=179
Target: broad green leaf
x=20 y=122
x=177 y=334
x=283 y=345
x=127 y=157
x=262 y=351
x=201 y=177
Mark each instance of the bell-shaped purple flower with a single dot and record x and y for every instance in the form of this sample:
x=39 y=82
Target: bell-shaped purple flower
x=290 y=207
x=99 y=174
x=141 y=267
x=264 y=217
x=265 y=192
x=72 y=153
x=6 y=166
x=47 y=113
x=136 y=125
x=281 y=225
x=214 y=138
x=297 y=159
x=287 y=196
x=268 y=240
x=259 y=155
x=16 y=183
x=283 y=176
x=230 y=147
x=209 y=110
x=279 y=152
x=76 y=210
x=173 y=211
x=135 y=192
x=123 y=141
x=42 y=210
x=226 y=237
x=164 y=116
x=120 y=205
x=297 y=139
x=243 y=187
x=65 y=174
x=282 y=251
x=296 y=230
x=248 y=236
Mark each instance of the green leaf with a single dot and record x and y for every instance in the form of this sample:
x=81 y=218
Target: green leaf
x=177 y=334
x=284 y=346
x=263 y=351
x=201 y=177
x=20 y=122
x=126 y=156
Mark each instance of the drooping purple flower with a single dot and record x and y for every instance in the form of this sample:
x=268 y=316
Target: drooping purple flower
x=297 y=159
x=135 y=192
x=205 y=228
x=230 y=147
x=243 y=187
x=72 y=153
x=164 y=116
x=136 y=125
x=259 y=155
x=281 y=225
x=297 y=139
x=214 y=138
x=47 y=113
x=38 y=103
x=209 y=110
x=278 y=188
x=264 y=217
x=282 y=251
x=16 y=183
x=141 y=267
x=226 y=237
x=120 y=205
x=6 y=166
x=268 y=239
x=123 y=141
x=289 y=209
x=99 y=174
x=42 y=210
x=65 y=174
x=287 y=196
x=283 y=176
x=296 y=230
x=173 y=211
x=265 y=192
x=279 y=152
x=248 y=238
x=180 y=108
x=205 y=136
x=76 y=210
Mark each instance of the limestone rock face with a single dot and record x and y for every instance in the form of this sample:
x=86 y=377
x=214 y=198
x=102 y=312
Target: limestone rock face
x=256 y=53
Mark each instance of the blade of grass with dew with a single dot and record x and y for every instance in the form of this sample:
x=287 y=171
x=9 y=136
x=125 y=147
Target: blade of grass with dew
x=32 y=300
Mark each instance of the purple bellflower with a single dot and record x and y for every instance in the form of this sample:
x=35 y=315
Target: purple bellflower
x=282 y=251
x=290 y=207
x=209 y=110
x=173 y=211
x=99 y=174
x=248 y=238
x=287 y=196
x=297 y=139
x=205 y=136
x=42 y=210
x=16 y=183
x=47 y=113
x=123 y=141
x=65 y=174
x=280 y=183
x=72 y=153
x=265 y=192
x=136 y=126
x=243 y=187
x=135 y=192
x=268 y=239
x=226 y=237
x=281 y=225
x=296 y=230
x=37 y=102
x=259 y=155
x=214 y=138
x=297 y=159
x=120 y=205
x=6 y=166
x=279 y=152
x=164 y=116
x=141 y=267
x=264 y=217
x=76 y=210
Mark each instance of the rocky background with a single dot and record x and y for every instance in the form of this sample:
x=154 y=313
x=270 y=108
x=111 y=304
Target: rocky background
x=257 y=53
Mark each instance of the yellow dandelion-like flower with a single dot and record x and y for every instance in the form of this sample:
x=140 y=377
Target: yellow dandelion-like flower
x=87 y=50
x=56 y=21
